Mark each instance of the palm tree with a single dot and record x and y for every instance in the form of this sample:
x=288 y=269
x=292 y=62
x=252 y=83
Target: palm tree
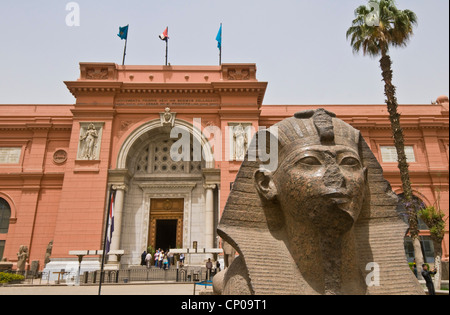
x=375 y=29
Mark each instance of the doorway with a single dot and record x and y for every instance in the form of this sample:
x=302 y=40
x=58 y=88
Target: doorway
x=166 y=223
x=166 y=234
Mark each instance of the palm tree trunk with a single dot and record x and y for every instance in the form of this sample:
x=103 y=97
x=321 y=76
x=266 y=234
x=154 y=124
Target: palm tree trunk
x=437 y=263
x=394 y=116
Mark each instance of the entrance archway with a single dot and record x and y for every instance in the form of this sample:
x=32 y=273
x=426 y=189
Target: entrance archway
x=152 y=180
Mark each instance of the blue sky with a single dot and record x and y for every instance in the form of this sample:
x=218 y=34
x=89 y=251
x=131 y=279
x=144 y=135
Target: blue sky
x=299 y=46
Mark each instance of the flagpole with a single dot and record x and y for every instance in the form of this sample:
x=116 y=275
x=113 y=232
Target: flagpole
x=167 y=45
x=112 y=191
x=221 y=41
x=124 y=52
x=125 y=48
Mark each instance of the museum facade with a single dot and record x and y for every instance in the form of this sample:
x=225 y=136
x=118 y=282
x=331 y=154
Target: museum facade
x=168 y=141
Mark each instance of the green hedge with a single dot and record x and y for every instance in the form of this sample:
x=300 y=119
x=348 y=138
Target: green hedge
x=8 y=277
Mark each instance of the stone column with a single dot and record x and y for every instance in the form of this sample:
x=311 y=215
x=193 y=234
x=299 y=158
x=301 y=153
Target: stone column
x=118 y=210
x=209 y=215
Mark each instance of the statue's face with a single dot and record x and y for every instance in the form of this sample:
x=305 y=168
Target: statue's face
x=322 y=185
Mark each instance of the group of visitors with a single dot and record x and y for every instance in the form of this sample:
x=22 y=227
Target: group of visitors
x=161 y=259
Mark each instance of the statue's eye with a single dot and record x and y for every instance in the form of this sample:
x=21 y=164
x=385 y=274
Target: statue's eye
x=310 y=160
x=350 y=161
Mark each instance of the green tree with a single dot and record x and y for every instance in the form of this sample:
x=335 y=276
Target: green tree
x=376 y=28
x=434 y=219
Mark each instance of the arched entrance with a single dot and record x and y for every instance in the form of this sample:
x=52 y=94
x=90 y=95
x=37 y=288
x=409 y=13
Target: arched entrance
x=163 y=202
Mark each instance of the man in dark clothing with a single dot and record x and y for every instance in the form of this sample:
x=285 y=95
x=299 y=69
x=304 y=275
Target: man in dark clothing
x=143 y=255
x=429 y=281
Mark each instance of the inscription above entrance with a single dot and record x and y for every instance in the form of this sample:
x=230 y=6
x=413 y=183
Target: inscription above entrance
x=149 y=101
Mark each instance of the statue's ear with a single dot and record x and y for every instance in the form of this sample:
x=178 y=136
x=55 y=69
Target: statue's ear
x=265 y=185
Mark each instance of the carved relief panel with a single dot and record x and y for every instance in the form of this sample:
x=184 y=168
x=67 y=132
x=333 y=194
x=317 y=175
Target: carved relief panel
x=90 y=140
x=240 y=136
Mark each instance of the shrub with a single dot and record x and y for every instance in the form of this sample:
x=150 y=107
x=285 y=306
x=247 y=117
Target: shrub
x=8 y=277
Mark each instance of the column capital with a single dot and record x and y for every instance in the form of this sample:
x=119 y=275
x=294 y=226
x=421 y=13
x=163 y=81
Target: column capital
x=120 y=187
x=209 y=186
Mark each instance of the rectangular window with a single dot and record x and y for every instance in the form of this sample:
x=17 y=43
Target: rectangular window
x=389 y=154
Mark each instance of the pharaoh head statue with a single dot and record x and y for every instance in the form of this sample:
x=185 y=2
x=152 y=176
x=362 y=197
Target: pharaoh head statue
x=322 y=221
x=320 y=179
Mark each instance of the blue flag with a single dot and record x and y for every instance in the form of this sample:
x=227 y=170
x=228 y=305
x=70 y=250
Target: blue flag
x=219 y=38
x=123 y=32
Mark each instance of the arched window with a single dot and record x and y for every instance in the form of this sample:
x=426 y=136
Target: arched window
x=5 y=215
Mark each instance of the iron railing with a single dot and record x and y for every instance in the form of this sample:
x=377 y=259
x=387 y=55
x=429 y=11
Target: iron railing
x=130 y=275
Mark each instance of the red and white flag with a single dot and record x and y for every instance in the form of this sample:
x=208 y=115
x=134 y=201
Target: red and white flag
x=165 y=34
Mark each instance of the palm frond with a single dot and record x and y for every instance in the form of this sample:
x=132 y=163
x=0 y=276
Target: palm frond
x=395 y=28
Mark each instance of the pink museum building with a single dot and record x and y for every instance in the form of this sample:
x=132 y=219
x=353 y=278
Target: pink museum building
x=58 y=163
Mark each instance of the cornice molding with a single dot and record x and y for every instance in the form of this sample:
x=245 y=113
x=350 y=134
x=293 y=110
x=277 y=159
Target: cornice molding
x=106 y=88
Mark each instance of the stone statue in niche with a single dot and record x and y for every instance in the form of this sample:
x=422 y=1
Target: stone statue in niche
x=324 y=222
x=90 y=140
x=48 y=253
x=240 y=142
x=22 y=257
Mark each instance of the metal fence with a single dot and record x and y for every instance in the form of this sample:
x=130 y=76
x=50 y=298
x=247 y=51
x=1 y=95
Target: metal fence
x=144 y=274
x=131 y=275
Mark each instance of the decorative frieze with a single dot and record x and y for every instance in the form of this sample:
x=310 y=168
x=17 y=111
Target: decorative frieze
x=239 y=72
x=98 y=71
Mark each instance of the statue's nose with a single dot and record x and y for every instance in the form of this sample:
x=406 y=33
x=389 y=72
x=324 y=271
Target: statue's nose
x=333 y=177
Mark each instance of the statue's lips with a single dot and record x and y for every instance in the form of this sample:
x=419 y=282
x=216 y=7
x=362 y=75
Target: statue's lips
x=338 y=197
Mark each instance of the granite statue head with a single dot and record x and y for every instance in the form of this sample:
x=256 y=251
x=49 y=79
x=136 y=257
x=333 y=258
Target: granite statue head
x=320 y=179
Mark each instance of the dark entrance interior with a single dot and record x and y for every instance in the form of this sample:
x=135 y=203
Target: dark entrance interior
x=166 y=234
